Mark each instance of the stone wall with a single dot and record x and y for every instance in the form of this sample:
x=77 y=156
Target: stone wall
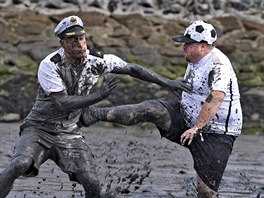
x=137 y=31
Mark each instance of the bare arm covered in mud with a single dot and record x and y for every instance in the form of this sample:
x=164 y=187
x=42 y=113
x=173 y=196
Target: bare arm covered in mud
x=148 y=75
x=65 y=102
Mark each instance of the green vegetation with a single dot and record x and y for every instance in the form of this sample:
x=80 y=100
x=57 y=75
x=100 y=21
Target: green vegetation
x=252 y=79
x=17 y=64
x=253 y=131
x=6 y=75
x=167 y=70
x=27 y=65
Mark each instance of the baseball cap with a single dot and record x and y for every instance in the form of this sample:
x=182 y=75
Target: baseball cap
x=198 y=32
x=69 y=26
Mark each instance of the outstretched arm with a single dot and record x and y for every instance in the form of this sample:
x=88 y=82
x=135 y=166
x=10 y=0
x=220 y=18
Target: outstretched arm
x=146 y=74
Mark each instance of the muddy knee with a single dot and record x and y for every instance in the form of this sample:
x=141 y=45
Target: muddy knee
x=157 y=114
x=146 y=111
x=20 y=165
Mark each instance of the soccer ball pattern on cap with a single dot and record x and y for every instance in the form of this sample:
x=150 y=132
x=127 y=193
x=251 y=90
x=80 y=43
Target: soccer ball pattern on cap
x=200 y=31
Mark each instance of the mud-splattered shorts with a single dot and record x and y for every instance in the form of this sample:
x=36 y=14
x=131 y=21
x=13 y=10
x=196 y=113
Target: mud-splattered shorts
x=210 y=156
x=69 y=152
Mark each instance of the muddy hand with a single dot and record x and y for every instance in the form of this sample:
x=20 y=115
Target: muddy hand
x=108 y=86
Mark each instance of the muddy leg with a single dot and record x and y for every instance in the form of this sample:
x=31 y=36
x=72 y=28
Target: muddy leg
x=90 y=183
x=147 y=111
x=17 y=167
x=204 y=191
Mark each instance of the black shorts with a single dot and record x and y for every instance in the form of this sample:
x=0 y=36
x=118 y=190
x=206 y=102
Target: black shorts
x=70 y=153
x=210 y=156
x=178 y=125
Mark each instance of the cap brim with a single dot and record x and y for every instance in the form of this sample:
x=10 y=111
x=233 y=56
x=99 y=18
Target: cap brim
x=183 y=39
x=73 y=31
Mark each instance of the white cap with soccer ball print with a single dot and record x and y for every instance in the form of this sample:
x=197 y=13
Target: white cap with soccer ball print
x=200 y=32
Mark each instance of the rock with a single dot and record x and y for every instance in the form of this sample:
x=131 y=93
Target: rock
x=174 y=9
x=95 y=4
x=156 y=39
x=142 y=50
x=217 y=5
x=172 y=27
x=120 y=31
x=112 y=5
x=143 y=32
x=54 y=4
x=10 y=117
x=229 y=24
x=8 y=48
x=39 y=51
x=256 y=92
x=251 y=25
x=16 y=1
x=137 y=31
x=145 y=3
x=255 y=117
x=132 y=21
x=5 y=2
x=75 y=2
x=118 y=51
x=169 y=51
x=147 y=54
x=105 y=41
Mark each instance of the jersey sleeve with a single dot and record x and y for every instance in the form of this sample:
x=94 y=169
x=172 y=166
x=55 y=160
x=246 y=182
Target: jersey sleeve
x=112 y=62
x=219 y=77
x=49 y=79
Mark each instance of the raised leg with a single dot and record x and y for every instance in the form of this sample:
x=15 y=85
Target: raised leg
x=147 y=111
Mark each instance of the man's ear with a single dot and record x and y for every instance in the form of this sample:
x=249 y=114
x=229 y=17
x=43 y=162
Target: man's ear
x=205 y=47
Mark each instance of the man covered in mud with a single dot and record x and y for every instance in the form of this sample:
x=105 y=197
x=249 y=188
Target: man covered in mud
x=207 y=120
x=52 y=128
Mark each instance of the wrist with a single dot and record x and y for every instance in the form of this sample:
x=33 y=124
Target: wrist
x=196 y=128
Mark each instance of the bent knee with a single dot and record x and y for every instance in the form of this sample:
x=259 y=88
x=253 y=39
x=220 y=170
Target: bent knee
x=154 y=107
x=21 y=164
x=157 y=113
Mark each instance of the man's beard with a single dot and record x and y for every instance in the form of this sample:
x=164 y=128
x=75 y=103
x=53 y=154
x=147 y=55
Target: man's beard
x=187 y=59
x=78 y=52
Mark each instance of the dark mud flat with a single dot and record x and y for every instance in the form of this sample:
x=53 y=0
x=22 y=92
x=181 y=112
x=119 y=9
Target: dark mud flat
x=140 y=165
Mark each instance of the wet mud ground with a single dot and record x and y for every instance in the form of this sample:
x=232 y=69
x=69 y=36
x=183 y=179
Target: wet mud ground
x=139 y=164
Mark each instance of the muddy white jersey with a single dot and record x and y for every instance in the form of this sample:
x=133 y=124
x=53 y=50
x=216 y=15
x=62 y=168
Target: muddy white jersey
x=57 y=74
x=214 y=72
x=50 y=74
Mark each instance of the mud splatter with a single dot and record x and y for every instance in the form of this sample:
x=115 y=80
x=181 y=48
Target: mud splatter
x=138 y=164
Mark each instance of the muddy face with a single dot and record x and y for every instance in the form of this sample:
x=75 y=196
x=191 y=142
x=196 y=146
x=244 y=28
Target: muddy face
x=192 y=52
x=74 y=47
